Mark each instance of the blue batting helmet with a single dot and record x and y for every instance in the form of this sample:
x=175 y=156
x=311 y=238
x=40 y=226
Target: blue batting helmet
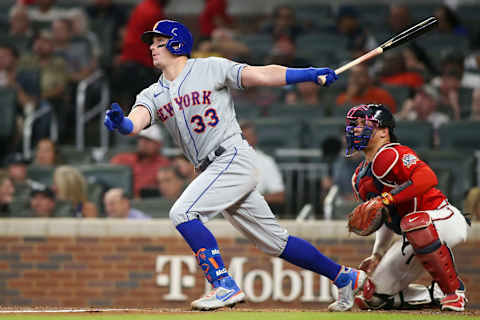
x=180 y=40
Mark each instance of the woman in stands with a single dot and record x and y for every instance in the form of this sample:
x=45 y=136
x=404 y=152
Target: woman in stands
x=70 y=185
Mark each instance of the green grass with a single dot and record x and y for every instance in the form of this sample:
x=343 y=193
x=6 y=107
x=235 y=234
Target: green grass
x=239 y=315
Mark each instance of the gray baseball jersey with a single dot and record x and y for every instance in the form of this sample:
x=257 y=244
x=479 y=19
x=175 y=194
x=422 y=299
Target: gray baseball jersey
x=197 y=107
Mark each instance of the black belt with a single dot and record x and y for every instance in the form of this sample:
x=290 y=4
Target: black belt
x=205 y=163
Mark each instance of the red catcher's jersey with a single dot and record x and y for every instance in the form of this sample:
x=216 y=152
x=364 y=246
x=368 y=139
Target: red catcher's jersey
x=392 y=166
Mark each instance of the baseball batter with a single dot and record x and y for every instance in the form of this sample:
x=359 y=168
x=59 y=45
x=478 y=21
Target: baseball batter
x=394 y=176
x=192 y=99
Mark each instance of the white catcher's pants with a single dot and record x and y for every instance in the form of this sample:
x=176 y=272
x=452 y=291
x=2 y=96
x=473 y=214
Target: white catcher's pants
x=227 y=186
x=393 y=274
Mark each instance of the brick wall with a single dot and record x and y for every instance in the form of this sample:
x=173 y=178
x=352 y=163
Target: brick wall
x=73 y=263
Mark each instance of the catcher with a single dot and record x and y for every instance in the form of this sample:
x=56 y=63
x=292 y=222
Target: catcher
x=399 y=194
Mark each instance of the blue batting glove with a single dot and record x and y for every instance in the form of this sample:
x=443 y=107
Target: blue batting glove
x=114 y=119
x=296 y=75
x=329 y=74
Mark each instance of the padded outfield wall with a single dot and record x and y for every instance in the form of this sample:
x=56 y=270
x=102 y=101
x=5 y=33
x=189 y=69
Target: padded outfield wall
x=120 y=263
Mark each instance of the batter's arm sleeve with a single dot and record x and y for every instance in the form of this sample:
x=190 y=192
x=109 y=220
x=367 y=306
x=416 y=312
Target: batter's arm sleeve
x=271 y=75
x=383 y=238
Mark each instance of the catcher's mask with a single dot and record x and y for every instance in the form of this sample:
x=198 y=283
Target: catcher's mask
x=378 y=114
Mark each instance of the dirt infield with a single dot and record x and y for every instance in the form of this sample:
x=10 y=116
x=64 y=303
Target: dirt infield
x=55 y=311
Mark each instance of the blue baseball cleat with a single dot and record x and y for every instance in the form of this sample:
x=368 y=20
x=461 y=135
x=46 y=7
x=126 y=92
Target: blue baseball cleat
x=349 y=281
x=225 y=293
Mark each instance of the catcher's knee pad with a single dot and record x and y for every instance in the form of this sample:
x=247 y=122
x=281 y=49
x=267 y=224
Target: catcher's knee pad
x=435 y=257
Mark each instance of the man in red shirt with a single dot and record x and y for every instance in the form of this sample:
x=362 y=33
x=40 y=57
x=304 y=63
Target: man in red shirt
x=146 y=161
x=361 y=90
x=142 y=18
x=393 y=177
x=135 y=61
x=214 y=15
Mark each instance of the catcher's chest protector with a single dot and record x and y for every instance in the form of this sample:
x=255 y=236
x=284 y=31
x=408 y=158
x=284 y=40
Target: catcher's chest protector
x=367 y=186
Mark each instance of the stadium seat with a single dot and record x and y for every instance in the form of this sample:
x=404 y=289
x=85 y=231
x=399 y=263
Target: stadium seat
x=399 y=94
x=41 y=174
x=259 y=45
x=71 y=155
x=275 y=133
x=105 y=32
x=460 y=135
x=8 y=99
x=109 y=176
x=247 y=110
x=465 y=96
x=341 y=211
x=420 y=10
x=299 y=111
x=155 y=207
x=373 y=15
x=320 y=129
x=415 y=134
x=461 y=167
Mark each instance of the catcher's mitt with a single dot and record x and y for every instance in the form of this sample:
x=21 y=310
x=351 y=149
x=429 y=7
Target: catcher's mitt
x=367 y=217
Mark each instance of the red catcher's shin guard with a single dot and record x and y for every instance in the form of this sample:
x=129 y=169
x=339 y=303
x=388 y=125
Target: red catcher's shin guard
x=434 y=256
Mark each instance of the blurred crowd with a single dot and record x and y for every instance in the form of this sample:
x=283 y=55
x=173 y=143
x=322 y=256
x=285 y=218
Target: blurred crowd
x=47 y=50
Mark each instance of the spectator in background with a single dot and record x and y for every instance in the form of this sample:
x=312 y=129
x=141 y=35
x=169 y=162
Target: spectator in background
x=142 y=18
x=170 y=183
x=145 y=160
x=45 y=11
x=214 y=15
x=117 y=205
x=472 y=203
x=20 y=32
x=206 y=48
x=109 y=11
x=42 y=203
x=26 y=85
x=453 y=74
x=416 y=59
x=6 y=194
x=341 y=167
x=304 y=93
x=80 y=29
x=394 y=72
x=399 y=18
x=184 y=167
x=284 y=24
x=360 y=90
x=449 y=22
x=46 y=154
x=359 y=40
x=135 y=62
x=475 y=113
x=270 y=182
x=283 y=53
x=222 y=44
x=108 y=17
x=53 y=76
x=78 y=55
x=424 y=106
x=70 y=185
x=17 y=171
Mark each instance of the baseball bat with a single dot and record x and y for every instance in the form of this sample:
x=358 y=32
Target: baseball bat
x=399 y=39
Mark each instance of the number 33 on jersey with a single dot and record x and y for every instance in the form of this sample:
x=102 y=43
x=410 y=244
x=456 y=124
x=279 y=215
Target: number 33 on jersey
x=197 y=111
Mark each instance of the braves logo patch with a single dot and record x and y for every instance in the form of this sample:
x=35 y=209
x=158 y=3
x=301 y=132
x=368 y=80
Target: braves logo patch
x=409 y=160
